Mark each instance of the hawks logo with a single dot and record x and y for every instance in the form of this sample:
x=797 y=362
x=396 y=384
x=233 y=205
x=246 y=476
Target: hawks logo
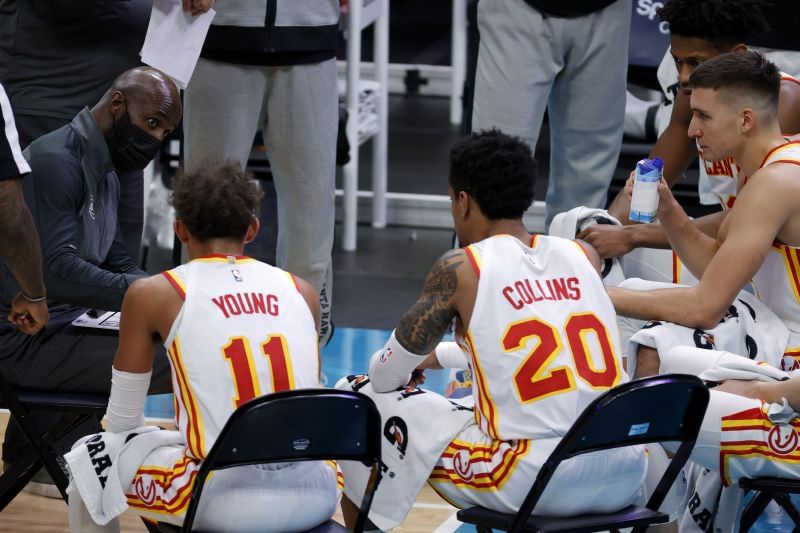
x=782 y=442
x=396 y=432
x=462 y=466
x=145 y=489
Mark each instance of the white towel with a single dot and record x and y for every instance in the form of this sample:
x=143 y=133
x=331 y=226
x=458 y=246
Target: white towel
x=569 y=224
x=102 y=466
x=417 y=426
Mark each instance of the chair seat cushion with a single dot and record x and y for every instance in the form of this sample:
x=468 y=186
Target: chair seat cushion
x=631 y=516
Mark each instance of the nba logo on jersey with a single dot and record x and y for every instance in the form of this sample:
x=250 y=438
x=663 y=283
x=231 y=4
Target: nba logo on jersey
x=387 y=353
x=237 y=275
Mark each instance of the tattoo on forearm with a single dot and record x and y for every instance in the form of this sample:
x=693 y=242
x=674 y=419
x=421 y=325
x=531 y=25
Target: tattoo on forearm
x=422 y=327
x=19 y=243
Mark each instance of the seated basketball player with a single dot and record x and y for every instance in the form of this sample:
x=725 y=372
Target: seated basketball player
x=696 y=35
x=234 y=328
x=734 y=103
x=749 y=430
x=536 y=326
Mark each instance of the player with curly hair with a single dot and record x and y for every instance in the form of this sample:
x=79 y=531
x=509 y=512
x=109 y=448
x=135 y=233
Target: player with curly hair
x=699 y=31
x=516 y=299
x=234 y=328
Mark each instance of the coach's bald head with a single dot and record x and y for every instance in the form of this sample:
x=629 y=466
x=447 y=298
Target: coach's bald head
x=136 y=114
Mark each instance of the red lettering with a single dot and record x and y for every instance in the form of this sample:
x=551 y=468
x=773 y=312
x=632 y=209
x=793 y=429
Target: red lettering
x=272 y=304
x=560 y=286
x=233 y=305
x=533 y=292
x=221 y=306
x=515 y=304
x=526 y=296
x=245 y=299
x=258 y=303
x=575 y=290
x=538 y=284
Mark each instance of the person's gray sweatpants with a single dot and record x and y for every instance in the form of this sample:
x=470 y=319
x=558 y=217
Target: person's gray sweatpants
x=297 y=108
x=574 y=67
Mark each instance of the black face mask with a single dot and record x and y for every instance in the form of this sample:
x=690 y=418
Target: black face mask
x=131 y=147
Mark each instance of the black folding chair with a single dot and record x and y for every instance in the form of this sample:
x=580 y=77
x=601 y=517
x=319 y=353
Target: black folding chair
x=653 y=409
x=297 y=425
x=768 y=489
x=46 y=448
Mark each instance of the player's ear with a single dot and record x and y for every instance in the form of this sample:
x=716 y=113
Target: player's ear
x=464 y=204
x=181 y=230
x=747 y=119
x=252 y=230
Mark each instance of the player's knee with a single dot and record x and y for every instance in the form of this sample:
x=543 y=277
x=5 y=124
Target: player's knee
x=647 y=362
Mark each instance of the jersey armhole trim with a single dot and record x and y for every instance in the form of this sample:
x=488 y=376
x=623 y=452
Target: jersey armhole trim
x=176 y=283
x=473 y=260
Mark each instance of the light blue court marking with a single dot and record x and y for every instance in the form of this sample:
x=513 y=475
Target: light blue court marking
x=347 y=353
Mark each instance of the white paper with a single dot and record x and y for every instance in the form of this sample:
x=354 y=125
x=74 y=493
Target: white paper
x=103 y=320
x=174 y=40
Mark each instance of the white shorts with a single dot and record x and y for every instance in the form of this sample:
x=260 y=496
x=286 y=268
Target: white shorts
x=654 y=264
x=477 y=470
x=749 y=329
x=737 y=438
x=285 y=497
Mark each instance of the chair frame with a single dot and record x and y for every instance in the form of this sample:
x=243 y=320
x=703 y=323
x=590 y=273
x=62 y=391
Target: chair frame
x=571 y=446
x=767 y=489
x=370 y=455
x=75 y=409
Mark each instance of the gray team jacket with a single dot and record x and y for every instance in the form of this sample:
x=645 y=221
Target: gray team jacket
x=274 y=26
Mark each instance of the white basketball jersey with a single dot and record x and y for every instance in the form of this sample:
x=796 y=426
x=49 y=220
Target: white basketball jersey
x=723 y=176
x=244 y=331
x=542 y=340
x=777 y=282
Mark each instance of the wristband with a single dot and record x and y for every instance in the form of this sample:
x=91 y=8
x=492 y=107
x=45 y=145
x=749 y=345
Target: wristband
x=33 y=300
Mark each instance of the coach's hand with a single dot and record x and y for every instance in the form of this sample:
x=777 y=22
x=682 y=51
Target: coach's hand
x=29 y=317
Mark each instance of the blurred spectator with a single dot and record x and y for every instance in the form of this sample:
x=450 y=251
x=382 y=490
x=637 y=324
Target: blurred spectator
x=570 y=57
x=275 y=70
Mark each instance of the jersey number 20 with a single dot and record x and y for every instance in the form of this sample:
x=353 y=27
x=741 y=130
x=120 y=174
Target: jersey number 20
x=245 y=380
x=533 y=379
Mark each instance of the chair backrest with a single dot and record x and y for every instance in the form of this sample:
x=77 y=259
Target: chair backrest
x=296 y=425
x=655 y=409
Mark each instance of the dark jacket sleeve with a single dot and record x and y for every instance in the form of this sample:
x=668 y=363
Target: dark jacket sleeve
x=118 y=260
x=58 y=194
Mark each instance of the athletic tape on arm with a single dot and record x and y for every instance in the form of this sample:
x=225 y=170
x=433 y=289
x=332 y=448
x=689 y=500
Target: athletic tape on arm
x=391 y=366
x=126 y=402
x=450 y=355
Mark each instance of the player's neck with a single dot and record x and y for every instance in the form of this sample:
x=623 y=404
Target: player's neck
x=756 y=150
x=507 y=226
x=196 y=249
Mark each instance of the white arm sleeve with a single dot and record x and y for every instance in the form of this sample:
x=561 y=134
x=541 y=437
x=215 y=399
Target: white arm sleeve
x=391 y=366
x=126 y=403
x=450 y=355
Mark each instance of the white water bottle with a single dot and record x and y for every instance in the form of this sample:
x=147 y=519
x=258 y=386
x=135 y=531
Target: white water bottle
x=644 y=203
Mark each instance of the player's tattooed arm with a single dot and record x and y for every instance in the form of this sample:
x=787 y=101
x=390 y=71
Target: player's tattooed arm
x=424 y=324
